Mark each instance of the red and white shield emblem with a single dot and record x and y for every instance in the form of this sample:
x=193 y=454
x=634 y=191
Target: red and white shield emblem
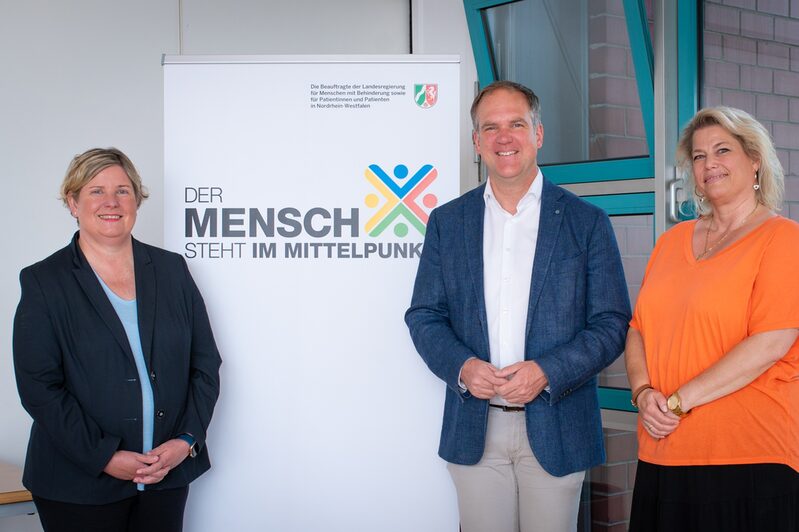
x=425 y=94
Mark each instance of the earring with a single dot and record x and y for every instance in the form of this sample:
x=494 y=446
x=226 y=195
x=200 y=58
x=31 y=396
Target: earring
x=756 y=186
x=698 y=195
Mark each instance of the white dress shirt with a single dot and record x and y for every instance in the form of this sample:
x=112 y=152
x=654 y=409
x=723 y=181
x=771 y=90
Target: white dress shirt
x=509 y=242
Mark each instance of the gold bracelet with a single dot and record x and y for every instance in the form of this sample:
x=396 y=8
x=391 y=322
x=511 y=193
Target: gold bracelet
x=637 y=392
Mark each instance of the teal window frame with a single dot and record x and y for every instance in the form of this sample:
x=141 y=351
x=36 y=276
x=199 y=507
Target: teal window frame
x=687 y=60
x=641 y=46
x=624 y=204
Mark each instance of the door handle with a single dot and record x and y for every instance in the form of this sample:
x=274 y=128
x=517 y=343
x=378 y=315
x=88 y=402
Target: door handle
x=674 y=205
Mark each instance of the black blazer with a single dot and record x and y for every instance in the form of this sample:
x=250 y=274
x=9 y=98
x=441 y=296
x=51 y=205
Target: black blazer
x=77 y=377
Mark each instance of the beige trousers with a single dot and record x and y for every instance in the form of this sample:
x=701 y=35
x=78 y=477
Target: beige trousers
x=508 y=490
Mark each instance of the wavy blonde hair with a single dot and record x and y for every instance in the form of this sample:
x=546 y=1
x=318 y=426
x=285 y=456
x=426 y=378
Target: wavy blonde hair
x=756 y=143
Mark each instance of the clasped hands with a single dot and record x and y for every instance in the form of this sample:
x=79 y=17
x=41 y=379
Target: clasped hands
x=655 y=415
x=518 y=383
x=151 y=467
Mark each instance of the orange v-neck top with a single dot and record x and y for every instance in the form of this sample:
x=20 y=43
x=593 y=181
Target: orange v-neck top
x=691 y=314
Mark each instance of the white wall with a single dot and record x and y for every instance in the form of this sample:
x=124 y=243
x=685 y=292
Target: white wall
x=87 y=73
x=75 y=75
x=439 y=27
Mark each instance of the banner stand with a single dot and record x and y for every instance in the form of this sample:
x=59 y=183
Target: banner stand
x=298 y=189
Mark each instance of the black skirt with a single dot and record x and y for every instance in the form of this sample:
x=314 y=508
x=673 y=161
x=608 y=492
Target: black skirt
x=726 y=498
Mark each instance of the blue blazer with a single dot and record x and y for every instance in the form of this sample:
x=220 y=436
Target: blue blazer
x=576 y=324
x=77 y=377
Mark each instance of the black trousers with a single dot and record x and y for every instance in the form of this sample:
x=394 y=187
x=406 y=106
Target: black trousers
x=147 y=511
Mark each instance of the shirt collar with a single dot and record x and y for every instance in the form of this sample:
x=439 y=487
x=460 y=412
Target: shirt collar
x=532 y=195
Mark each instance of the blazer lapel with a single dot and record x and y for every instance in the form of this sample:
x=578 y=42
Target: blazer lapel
x=552 y=206
x=94 y=292
x=145 y=298
x=473 y=215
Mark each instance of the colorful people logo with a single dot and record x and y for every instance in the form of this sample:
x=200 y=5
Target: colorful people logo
x=400 y=199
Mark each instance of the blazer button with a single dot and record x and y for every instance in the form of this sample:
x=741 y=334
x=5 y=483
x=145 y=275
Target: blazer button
x=152 y=376
x=159 y=414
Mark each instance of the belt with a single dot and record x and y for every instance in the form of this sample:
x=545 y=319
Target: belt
x=507 y=408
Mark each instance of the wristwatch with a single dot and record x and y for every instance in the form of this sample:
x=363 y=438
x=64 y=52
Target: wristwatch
x=674 y=403
x=188 y=438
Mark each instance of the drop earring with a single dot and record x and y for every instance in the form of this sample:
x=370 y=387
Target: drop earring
x=756 y=186
x=698 y=195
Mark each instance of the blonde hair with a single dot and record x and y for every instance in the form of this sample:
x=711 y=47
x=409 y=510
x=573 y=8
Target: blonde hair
x=756 y=143
x=88 y=164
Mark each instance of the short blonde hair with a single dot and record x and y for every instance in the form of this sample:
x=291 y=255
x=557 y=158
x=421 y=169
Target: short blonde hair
x=88 y=164
x=756 y=143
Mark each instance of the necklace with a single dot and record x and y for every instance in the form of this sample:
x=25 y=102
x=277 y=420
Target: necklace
x=723 y=237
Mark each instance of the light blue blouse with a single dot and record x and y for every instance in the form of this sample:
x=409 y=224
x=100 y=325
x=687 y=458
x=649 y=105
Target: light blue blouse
x=127 y=312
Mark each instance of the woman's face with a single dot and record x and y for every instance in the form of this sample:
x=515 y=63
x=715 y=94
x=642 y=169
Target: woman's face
x=723 y=171
x=106 y=206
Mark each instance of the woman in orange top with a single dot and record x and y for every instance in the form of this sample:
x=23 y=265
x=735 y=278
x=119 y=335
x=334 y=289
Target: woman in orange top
x=711 y=353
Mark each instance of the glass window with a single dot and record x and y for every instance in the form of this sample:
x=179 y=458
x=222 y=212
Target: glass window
x=577 y=59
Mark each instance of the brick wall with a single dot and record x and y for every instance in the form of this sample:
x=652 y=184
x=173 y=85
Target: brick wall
x=635 y=237
x=617 y=130
x=615 y=122
x=611 y=484
x=751 y=61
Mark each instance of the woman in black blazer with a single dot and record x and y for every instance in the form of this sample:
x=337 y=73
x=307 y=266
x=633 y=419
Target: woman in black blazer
x=115 y=362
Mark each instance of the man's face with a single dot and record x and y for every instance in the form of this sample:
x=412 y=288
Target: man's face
x=506 y=138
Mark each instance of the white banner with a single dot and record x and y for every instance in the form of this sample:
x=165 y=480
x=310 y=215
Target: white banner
x=298 y=189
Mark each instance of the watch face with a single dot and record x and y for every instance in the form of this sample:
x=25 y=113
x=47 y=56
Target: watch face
x=673 y=402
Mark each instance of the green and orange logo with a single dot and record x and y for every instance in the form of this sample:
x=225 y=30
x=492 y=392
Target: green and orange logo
x=401 y=196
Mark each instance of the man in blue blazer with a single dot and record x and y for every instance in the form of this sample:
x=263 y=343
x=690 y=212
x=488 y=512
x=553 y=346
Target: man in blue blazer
x=520 y=301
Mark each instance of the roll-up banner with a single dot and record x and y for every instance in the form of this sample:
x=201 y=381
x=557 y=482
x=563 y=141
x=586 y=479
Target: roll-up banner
x=298 y=189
